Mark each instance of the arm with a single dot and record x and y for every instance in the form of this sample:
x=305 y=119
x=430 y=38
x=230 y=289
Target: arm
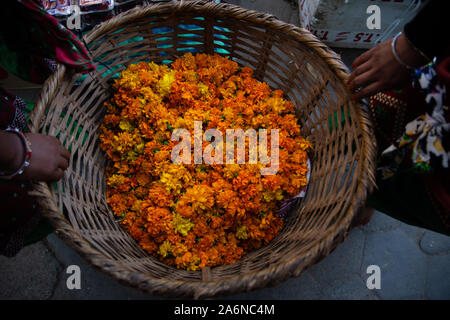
x=428 y=31
x=48 y=161
x=378 y=69
x=11 y=152
x=48 y=157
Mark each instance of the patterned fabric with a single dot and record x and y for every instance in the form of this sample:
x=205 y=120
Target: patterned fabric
x=35 y=37
x=19 y=121
x=412 y=132
x=423 y=137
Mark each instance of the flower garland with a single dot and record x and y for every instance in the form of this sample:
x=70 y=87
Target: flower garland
x=196 y=215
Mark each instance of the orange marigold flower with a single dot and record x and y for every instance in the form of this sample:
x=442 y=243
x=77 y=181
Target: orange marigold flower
x=197 y=215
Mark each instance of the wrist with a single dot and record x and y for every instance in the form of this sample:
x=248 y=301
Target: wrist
x=408 y=53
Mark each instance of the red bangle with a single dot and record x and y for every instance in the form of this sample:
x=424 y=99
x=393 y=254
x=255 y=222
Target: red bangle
x=26 y=160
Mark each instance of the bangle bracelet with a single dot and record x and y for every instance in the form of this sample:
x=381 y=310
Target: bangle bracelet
x=394 y=52
x=26 y=161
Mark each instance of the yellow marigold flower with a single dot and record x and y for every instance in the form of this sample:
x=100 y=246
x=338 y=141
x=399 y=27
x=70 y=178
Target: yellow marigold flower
x=270 y=196
x=194 y=264
x=170 y=181
x=137 y=206
x=200 y=197
x=231 y=171
x=131 y=156
x=126 y=125
x=140 y=147
x=115 y=180
x=203 y=89
x=279 y=195
x=175 y=177
x=181 y=224
x=165 y=249
x=153 y=66
x=123 y=141
x=179 y=123
x=241 y=233
x=276 y=104
x=164 y=85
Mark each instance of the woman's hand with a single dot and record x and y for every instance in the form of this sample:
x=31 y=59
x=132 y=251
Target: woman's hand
x=377 y=69
x=48 y=160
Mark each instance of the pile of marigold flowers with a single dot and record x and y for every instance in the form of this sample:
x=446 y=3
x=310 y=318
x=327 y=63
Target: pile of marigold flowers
x=196 y=215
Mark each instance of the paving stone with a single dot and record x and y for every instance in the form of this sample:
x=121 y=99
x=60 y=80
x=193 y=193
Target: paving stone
x=380 y=222
x=434 y=243
x=98 y=285
x=413 y=232
x=95 y=284
x=438 y=278
x=402 y=264
x=345 y=259
x=31 y=274
x=351 y=288
x=303 y=287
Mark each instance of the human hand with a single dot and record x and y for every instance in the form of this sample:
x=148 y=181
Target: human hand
x=377 y=69
x=48 y=161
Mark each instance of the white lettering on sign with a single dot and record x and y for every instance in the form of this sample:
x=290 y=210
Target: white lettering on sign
x=374 y=20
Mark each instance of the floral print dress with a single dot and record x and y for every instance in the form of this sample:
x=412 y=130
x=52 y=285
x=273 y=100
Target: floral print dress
x=412 y=128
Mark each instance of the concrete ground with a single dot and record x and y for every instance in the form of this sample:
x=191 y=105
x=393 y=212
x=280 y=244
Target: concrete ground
x=414 y=263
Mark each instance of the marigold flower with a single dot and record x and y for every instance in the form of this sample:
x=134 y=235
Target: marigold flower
x=196 y=215
x=165 y=249
x=241 y=233
x=181 y=224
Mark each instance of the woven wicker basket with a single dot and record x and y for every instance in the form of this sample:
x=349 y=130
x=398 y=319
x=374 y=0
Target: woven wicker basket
x=288 y=58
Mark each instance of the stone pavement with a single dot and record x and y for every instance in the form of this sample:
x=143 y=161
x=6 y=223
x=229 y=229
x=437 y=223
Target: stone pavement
x=414 y=263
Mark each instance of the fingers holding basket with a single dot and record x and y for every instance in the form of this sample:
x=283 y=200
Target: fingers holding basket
x=49 y=159
x=376 y=70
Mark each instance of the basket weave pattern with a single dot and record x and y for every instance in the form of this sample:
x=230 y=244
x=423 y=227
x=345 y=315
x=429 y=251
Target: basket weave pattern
x=288 y=58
